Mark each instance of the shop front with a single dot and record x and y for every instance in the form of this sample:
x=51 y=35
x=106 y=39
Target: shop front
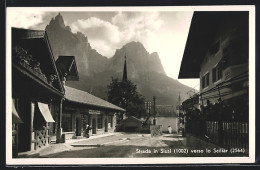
x=81 y=108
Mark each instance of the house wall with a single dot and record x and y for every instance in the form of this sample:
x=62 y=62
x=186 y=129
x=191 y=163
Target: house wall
x=85 y=118
x=231 y=38
x=105 y=117
x=167 y=121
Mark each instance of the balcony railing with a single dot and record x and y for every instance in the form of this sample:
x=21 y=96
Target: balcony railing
x=26 y=60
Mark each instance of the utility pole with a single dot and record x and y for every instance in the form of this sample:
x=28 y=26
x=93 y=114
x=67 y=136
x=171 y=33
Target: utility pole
x=154 y=122
x=148 y=108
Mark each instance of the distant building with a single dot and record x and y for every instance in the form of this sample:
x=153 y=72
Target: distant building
x=166 y=116
x=130 y=124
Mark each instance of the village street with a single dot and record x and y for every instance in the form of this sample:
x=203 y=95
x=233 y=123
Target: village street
x=130 y=145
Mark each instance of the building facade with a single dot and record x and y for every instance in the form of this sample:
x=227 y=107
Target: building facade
x=35 y=85
x=42 y=106
x=81 y=108
x=166 y=116
x=217 y=52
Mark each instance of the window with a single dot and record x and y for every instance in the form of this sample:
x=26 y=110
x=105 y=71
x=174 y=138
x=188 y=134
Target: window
x=99 y=122
x=214 y=74
x=217 y=72
x=205 y=80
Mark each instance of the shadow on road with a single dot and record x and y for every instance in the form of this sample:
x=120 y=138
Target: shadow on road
x=193 y=148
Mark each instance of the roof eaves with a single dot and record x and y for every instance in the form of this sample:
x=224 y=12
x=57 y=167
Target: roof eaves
x=53 y=63
x=110 y=105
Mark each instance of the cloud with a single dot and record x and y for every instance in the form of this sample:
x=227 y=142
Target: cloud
x=137 y=26
x=124 y=27
x=101 y=34
x=137 y=20
x=162 y=32
x=25 y=18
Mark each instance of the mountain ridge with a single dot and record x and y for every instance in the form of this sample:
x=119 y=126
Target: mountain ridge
x=95 y=70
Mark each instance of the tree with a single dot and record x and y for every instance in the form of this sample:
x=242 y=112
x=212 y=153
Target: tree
x=124 y=94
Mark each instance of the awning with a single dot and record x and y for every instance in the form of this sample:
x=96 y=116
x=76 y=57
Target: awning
x=15 y=116
x=44 y=109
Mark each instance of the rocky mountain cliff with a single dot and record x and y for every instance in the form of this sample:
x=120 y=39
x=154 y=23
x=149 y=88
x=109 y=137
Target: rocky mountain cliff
x=64 y=42
x=139 y=62
x=95 y=70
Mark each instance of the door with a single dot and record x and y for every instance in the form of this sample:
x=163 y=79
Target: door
x=94 y=126
x=78 y=126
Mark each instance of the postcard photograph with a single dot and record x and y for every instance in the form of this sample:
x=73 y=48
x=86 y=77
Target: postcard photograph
x=130 y=85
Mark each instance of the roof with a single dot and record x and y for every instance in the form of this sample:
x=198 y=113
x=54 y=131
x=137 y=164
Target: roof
x=82 y=97
x=67 y=67
x=131 y=117
x=165 y=111
x=37 y=44
x=204 y=26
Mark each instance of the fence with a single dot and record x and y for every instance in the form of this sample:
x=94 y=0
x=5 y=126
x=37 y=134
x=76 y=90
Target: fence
x=42 y=138
x=234 y=134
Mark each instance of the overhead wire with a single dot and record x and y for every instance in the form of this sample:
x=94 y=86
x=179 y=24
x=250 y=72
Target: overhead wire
x=225 y=84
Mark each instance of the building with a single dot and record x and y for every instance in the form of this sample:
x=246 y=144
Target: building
x=166 y=116
x=81 y=108
x=35 y=85
x=42 y=106
x=217 y=52
x=131 y=124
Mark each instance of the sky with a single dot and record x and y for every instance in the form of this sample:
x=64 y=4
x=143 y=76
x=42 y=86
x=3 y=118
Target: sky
x=164 y=32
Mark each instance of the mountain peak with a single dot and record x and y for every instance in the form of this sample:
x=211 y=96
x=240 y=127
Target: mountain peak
x=154 y=54
x=57 y=21
x=134 y=44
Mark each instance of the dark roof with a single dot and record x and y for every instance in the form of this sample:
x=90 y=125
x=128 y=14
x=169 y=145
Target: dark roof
x=28 y=33
x=83 y=97
x=204 y=26
x=131 y=117
x=68 y=67
x=36 y=41
x=165 y=111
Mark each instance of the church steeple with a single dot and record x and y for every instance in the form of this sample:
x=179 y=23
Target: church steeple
x=125 y=71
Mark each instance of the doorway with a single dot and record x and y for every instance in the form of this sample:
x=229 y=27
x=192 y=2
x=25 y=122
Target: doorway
x=94 y=126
